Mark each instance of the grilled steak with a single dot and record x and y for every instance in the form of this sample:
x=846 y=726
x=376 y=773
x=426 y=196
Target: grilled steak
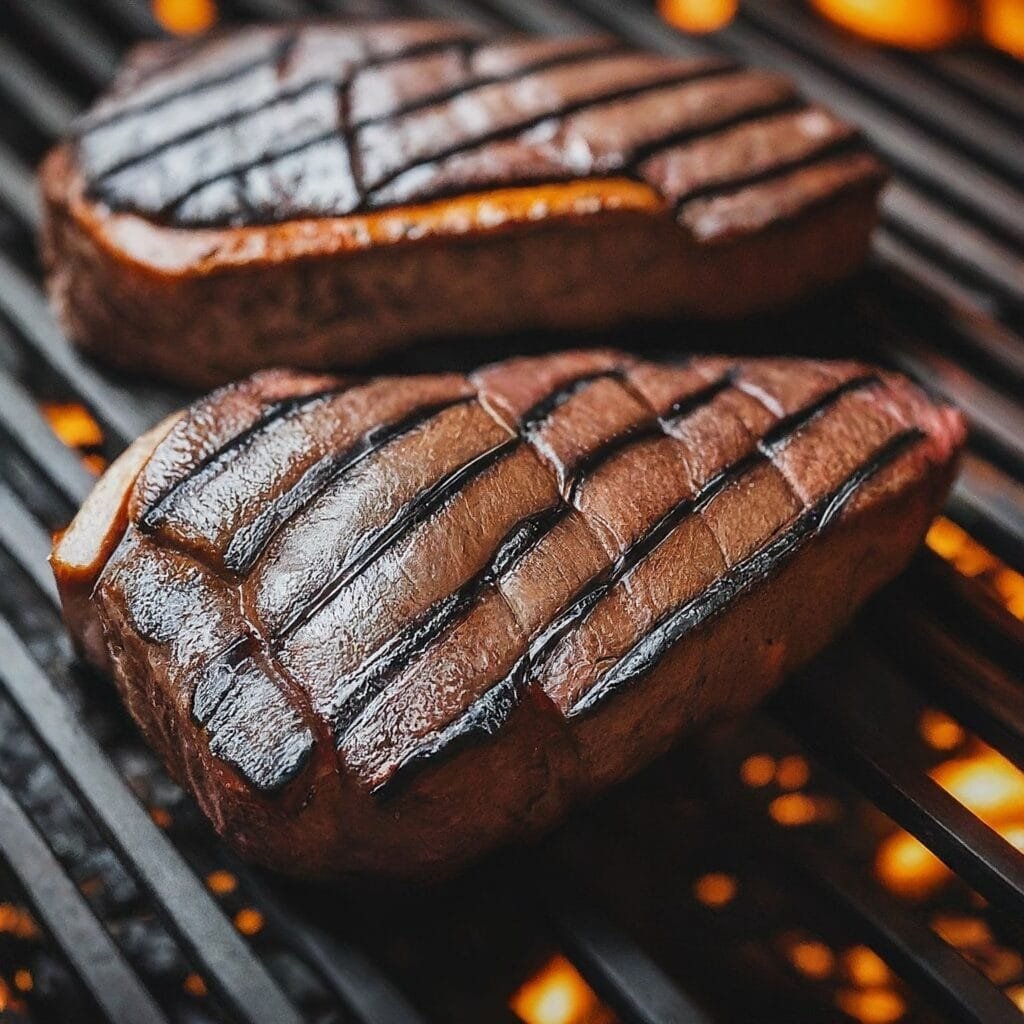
x=381 y=626
x=317 y=195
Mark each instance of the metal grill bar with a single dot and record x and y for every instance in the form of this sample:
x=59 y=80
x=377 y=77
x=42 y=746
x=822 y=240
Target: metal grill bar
x=188 y=907
x=976 y=691
x=954 y=115
x=116 y=406
x=917 y=952
x=629 y=980
x=95 y=959
x=50 y=108
x=72 y=35
x=855 y=744
x=20 y=418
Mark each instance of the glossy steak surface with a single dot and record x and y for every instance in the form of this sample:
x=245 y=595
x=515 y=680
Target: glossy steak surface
x=272 y=124
x=383 y=625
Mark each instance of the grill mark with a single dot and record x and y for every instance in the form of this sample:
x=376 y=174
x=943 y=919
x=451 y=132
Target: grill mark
x=531 y=420
x=273 y=56
x=412 y=642
x=355 y=168
x=234 y=118
x=757 y=110
x=416 y=511
x=489 y=712
x=683 y=407
x=482 y=720
x=214 y=691
x=347 y=127
x=597 y=588
x=249 y=542
x=277 y=55
x=790 y=423
x=736 y=183
x=598 y=456
x=651 y=648
x=171 y=209
x=524 y=124
x=151 y=518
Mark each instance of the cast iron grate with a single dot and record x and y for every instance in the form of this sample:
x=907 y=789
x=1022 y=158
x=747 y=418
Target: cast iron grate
x=135 y=904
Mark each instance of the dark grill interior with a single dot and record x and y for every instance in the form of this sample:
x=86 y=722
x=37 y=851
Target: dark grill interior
x=748 y=876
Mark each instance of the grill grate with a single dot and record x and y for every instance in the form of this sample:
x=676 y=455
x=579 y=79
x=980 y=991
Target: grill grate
x=943 y=299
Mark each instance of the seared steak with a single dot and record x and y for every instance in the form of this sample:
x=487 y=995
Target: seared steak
x=317 y=195
x=381 y=626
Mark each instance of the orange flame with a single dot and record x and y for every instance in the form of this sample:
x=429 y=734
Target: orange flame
x=1002 y=25
x=557 y=994
x=987 y=784
x=73 y=424
x=909 y=24
x=221 y=882
x=185 y=17
x=956 y=546
x=249 y=921
x=17 y=922
x=872 y=1005
x=698 y=16
x=715 y=889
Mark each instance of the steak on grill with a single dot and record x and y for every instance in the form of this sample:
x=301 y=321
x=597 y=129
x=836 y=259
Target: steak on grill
x=381 y=626
x=317 y=195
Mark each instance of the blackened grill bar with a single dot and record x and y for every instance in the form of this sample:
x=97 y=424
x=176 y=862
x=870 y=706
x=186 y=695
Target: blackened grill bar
x=983 y=219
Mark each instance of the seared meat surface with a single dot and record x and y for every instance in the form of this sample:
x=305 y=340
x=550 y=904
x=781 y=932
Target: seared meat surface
x=381 y=626
x=323 y=193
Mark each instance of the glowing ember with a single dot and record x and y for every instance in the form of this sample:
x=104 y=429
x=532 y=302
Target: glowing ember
x=96 y=464
x=872 y=1006
x=557 y=994
x=909 y=24
x=962 y=932
x=73 y=424
x=715 y=889
x=908 y=868
x=794 y=772
x=161 y=817
x=1002 y=25
x=866 y=968
x=17 y=922
x=970 y=558
x=1016 y=995
x=940 y=731
x=758 y=770
x=185 y=17
x=23 y=980
x=698 y=16
x=249 y=921
x=221 y=882
x=987 y=783
x=8 y=1000
x=194 y=985
x=814 y=959
x=793 y=809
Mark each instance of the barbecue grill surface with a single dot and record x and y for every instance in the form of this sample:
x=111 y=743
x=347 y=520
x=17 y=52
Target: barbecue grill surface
x=140 y=915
